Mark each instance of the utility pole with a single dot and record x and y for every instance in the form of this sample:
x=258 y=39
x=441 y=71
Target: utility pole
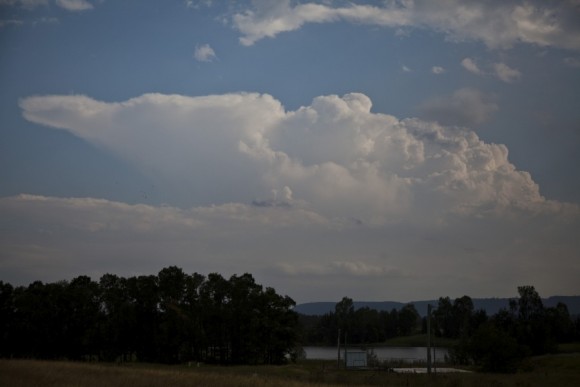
x=345 y=349
x=338 y=350
x=429 y=339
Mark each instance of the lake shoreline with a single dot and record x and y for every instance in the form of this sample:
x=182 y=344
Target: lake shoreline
x=382 y=353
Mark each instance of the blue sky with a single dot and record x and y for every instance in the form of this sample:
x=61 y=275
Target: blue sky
x=391 y=150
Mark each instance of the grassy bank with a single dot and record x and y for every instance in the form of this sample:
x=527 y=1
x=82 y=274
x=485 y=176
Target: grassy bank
x=556 y=370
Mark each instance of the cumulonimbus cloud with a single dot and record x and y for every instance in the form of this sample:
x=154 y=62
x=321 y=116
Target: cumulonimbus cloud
x=497 y=24
x=330 y=191
x=334 y=156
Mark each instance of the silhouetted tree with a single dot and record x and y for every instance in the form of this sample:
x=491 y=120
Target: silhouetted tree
x=82 y=317
x=7 y=320
x=408 y=320
x=118 y=338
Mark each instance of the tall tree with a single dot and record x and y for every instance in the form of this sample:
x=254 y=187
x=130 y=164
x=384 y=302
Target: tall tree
x=444 y=319
x=119 y=325
x=7 y=314
x=174 y=319
x=144 y=295
x=463 y=312
x=408 y=320
x=82 y=318
x=344 y=311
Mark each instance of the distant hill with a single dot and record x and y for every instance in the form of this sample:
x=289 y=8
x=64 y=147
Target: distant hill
x=490 y=305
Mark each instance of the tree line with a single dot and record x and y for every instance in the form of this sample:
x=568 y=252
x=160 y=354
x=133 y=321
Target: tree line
x=499 y=343
x=174 y=317
x=494 y=343
x=170 y=317
x=361 y=326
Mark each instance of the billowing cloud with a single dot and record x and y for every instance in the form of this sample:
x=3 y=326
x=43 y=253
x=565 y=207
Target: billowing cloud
x=465 y=107
x=204 y=53
x=330 y=191
x=498 y=25
x=74 y=5
x=470 y=65
x=335 y=155
x=506 y=73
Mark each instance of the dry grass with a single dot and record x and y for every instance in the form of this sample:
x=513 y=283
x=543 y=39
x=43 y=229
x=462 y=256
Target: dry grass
x=24 y=373
x=544 y=371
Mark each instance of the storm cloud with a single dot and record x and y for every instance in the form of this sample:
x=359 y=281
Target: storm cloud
x=330 y=191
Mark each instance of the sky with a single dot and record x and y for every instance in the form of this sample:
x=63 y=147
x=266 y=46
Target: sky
x=382 y=150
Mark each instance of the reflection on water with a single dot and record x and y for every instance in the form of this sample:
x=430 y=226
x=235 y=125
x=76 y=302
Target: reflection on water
x=409 y=354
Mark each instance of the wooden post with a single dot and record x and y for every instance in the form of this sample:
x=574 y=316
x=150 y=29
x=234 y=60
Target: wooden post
x=345 y=349
x=338 y=350
x=429 y=339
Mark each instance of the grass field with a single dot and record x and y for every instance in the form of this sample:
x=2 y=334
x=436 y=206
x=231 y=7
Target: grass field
x=554 y=370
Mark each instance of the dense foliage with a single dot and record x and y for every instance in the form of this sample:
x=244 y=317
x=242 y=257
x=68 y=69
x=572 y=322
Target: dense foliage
x=170 y=317
x=360 y=326
x=499 y=342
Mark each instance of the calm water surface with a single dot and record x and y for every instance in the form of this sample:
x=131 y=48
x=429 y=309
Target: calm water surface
x=383 y=353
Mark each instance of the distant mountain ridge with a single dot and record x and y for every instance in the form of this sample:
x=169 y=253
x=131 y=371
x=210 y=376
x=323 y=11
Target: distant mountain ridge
x=490 y=305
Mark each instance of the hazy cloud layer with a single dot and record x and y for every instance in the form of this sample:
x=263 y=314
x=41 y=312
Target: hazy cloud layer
x=572 y=62
x=26 y=4
x=69 y=5
x=465 y=107
x=299 y=252
x=74 y=5
x=498 y=25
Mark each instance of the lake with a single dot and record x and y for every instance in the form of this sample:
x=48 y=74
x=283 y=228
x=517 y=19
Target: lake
x=408 y=354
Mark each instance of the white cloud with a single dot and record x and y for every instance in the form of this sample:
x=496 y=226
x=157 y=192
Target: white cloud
x=334 y=156
x=270 y=18
x=470 y=65
x=437 y=70
x=498 y=25
x=329 y=190
x=204 y=53
x=499 y=70
x=506 y=73
x=406 y=69
x=74 y=5
x=197 y=4
x=465 y=107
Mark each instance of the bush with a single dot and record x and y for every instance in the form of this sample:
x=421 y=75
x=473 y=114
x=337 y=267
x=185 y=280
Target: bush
x=494 y=350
